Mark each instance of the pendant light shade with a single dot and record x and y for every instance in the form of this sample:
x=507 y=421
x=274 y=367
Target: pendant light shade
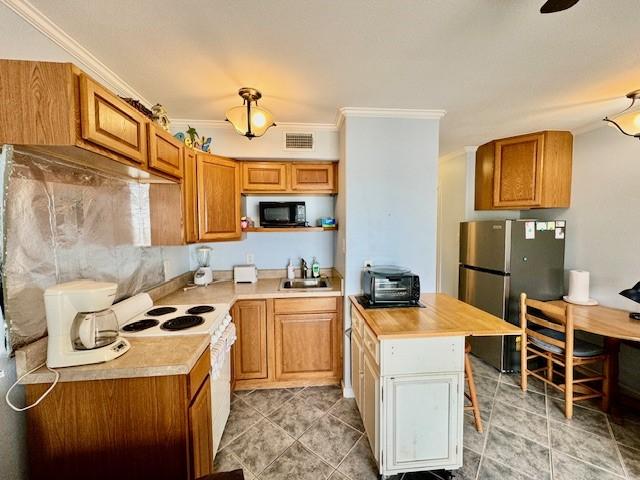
x=249 y=119
x=628 y=121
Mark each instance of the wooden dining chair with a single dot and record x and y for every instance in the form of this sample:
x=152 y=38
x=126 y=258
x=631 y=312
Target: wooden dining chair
x=547 y=335
x=472 y=396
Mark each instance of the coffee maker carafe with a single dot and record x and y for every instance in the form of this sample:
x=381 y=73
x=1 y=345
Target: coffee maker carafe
x=82 y=328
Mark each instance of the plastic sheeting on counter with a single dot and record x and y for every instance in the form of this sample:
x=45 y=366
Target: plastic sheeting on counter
x=62 y=222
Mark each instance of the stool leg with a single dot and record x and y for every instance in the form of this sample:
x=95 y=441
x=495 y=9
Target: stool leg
x=472 y=393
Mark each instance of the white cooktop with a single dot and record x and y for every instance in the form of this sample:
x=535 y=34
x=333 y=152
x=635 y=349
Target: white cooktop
x=212 y=323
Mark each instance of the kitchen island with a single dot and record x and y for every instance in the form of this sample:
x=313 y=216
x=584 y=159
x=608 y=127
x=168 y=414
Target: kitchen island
x=407 y=368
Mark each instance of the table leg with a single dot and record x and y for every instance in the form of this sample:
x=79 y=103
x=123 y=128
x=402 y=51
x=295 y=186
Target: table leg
x=609 y=399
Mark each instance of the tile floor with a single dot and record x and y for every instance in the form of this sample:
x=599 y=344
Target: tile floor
x=314 y=433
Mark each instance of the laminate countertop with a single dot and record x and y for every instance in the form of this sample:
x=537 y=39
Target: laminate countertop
x=147 y=357
x=229 y=292
x=442 y=316
x=166 y=355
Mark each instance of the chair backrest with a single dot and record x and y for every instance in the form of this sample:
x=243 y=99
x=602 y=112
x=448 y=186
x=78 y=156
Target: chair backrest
x=544 y=315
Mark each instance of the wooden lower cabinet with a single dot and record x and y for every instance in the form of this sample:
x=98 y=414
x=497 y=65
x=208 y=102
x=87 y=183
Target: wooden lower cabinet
x=307 y=346
x=133 y=428
x=288 y=342
x=357 y=372
x=250 y=349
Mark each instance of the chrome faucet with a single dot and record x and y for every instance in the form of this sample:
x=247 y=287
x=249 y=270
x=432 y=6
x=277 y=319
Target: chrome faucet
x=304 y=268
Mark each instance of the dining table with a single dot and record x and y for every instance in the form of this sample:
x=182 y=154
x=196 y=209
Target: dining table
x=614 y=324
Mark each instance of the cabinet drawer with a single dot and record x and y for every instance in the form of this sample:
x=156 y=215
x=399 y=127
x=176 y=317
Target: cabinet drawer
x=357 y=322
x=111 y=123
x=306 y=305
x=418 y=355
x=166 y=153
x=198 y=373
x=371 y=344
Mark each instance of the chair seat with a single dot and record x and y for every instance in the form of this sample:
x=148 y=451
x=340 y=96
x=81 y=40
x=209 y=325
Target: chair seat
x=580 y=347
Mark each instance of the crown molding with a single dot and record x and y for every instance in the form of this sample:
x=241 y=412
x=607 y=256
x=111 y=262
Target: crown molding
x=471 y=148
x=197 y=123
x=84 y=57
x=406 y=113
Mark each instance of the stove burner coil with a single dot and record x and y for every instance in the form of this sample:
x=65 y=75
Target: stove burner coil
x=181 y=323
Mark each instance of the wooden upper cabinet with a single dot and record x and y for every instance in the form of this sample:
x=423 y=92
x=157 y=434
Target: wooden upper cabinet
x=264 y=177
x=112 y=123
x=250 y=349
x=289 y=177
x=190 y=197
x=523 y=172
x=218 y=198
x=518 y=171
x=166 y=153
x=313 y=177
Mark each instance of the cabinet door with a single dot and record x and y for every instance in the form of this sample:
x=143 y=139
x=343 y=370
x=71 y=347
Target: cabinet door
x=313 y=177
x=190 y=197
x=110 y=122
x=250 y=349
x=165 y=152
x=218 y=198
x=356 y=368
x=200 y=436
x=264 y=177
x=518 y=171
x=307 y=346
x=422 y=421
x=370 y=408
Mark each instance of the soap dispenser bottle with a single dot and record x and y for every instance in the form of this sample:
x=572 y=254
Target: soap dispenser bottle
x=291 y=273
x=315 y=268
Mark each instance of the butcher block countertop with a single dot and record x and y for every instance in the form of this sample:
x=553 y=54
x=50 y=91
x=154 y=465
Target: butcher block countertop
x=442 y=316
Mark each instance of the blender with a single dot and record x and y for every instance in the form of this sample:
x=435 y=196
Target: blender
x=204 y=273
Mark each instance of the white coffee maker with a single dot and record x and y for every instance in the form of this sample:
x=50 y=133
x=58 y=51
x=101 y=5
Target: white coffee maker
x=82 y=328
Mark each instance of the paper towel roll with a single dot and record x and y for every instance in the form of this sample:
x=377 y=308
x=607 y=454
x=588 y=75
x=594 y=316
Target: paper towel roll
x=131 y=307
x=578 y=286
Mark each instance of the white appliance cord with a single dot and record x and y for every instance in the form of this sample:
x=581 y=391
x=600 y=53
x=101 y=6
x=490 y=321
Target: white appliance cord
x=55 y=381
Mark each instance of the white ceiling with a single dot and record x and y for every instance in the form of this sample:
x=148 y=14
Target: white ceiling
x=497 y=66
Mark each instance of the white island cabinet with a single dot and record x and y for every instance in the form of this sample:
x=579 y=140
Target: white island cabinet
x=410 y=395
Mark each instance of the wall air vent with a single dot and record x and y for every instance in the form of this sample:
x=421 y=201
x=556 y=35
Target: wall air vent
x=295 y=141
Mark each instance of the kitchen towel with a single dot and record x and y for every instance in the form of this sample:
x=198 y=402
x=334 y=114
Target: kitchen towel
x=131 y=307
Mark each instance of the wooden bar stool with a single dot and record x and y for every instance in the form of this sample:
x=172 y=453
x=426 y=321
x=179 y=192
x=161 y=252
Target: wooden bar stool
x=472 y=395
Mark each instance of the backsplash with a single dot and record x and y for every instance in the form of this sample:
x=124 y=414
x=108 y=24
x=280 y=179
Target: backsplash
x=61 y=223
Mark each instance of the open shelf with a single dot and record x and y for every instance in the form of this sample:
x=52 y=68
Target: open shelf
x=290 y=229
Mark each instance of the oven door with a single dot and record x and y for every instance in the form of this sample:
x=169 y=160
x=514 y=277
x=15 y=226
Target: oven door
x=392 y=289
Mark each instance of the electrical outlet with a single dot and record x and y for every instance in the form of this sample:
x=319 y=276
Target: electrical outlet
x=250 y=258
x=368 y=263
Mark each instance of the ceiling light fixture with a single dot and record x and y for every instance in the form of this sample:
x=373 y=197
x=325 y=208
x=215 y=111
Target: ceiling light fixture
x=628 y=121
x=249 y=119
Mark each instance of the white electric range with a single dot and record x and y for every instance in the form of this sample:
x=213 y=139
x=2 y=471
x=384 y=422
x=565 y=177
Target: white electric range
x=147 y=320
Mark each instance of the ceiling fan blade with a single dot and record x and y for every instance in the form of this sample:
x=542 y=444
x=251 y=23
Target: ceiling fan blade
x=552 y=6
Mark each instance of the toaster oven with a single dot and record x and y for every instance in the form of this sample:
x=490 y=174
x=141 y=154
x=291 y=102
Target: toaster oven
x=391 y=286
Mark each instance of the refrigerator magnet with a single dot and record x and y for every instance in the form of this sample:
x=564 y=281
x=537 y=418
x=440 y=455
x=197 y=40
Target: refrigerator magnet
x=529 y=230
x=560 y=223
x=541 y=226
x=559 y=233
x=551 y=225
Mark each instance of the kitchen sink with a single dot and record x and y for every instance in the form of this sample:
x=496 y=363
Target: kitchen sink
x=305 y=284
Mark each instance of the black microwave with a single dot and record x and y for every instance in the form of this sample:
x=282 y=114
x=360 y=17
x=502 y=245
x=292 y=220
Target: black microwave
x=283 y=214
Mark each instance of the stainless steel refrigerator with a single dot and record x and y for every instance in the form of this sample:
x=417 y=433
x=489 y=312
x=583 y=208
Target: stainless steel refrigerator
x=499 y=260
